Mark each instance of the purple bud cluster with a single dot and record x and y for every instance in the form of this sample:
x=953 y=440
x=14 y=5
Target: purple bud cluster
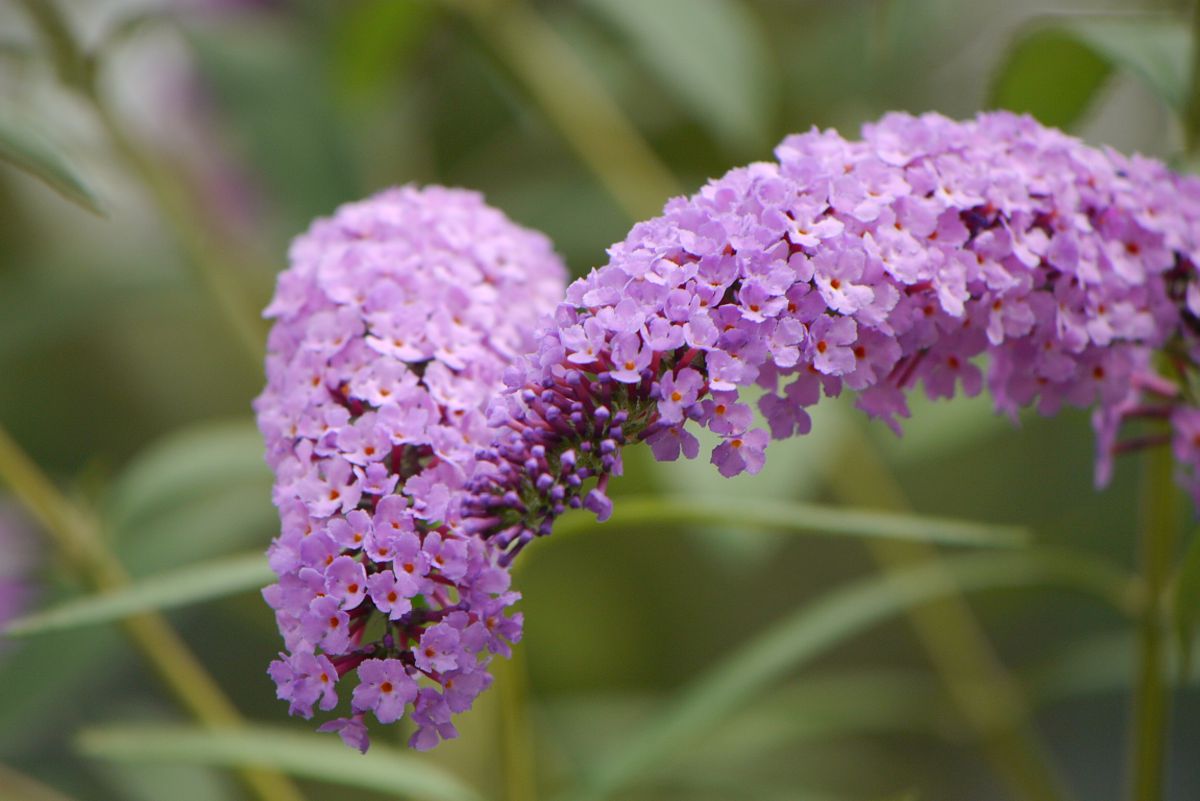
x=873 y=266
x=394 y=324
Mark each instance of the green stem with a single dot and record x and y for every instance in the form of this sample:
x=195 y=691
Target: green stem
x=77 y=536
x=575 y=102
x=517 y=740
x=1191 y=114
x=989 y=699
x=16 y=785
x=666 y=513
x=77 y=71
x=1160 y=527
x=210 y=271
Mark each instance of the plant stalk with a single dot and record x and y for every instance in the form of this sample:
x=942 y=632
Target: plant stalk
x=1191 y=113
x=1149 y=715
x=517 y=739
x=575 y=102
x=77 y=536
x=77 y=70
x=987 y=697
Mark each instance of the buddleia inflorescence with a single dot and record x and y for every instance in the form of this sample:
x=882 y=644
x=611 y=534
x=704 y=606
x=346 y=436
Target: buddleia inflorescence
x=871 y=266
x=393 y=325
x=874 y=266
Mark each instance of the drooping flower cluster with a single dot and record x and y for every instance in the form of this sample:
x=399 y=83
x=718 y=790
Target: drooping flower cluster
x=871 y=266
x=393 y=326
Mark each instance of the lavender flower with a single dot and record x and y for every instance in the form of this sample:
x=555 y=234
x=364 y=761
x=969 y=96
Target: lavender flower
x=872 y=266
x=393 y=326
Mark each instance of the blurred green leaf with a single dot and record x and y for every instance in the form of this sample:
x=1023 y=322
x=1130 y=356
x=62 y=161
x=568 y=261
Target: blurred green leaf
x=817 y=708
x=44 y=678
x=202 y=582
x=1054 y=70
x=795 y=518
x=190 y=494
x=711 y=54
x=323 y=757
x=183 y=782
x=1092 y=665
x=184 y=464
x=24 y=147
x=1185 y=605
x=817 y=627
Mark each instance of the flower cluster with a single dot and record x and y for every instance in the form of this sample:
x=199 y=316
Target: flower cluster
x=393 y=326
x=871 y=266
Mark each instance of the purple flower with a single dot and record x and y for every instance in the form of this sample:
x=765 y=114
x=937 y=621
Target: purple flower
x=394 y=325
x=879 y=266
x=743 y=452
x=352 y=730
x=385 y=688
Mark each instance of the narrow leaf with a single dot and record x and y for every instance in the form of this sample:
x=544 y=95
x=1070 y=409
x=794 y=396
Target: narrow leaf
x=1055 y=70
x=1185 y=605
x=795 y=518
x=817 y=627
x=28 y=150
x=312 y=756
x=183 y=465
x=202 y=582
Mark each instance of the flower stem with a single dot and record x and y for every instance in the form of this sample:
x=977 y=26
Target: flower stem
x=77 y=536
x=210 y=271
x=77 y=71
x=517 y=741
x=1191 y=113
x=1160 y=526
x=988 y=698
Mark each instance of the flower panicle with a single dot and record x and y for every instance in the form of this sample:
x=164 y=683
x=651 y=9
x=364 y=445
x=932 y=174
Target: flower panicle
x=873 y=266
x=394 y=324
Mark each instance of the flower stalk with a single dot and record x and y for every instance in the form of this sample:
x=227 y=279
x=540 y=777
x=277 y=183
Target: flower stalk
x=982 y=690
x=78 y=538
x=1151 y=695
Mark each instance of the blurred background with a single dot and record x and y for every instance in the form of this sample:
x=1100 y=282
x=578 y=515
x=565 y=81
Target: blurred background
x=210 y=132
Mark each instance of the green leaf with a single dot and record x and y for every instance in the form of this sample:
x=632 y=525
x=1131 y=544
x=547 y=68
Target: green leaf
x=813 y=630
x=202 y=582
x=322 y=757
x=43 y=685
x=710 y=54
x=793 y=518
x=193 y=494
x=1185 y=605
x=1098 y=664
x=22 y=146
x=185 y=464
x=1055 y=70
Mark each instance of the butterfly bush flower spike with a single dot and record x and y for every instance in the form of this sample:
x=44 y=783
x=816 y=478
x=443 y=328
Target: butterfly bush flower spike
x=393 y=326
x=874 y=266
